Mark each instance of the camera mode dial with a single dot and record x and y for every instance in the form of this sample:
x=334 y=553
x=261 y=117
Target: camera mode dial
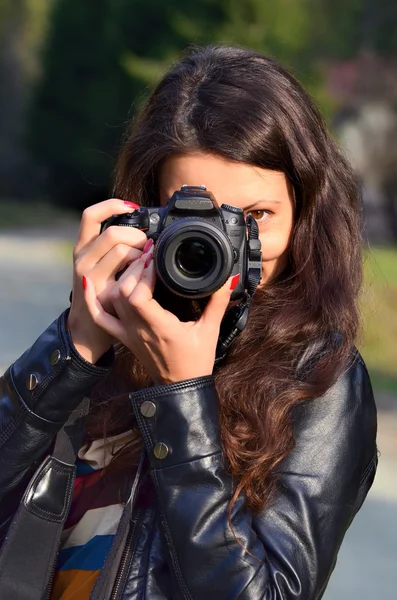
x=233 y=209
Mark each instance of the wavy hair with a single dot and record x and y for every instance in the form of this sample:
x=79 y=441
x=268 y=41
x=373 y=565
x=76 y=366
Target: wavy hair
x=240 y=105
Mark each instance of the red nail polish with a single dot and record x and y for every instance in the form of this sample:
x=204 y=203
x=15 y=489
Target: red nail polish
x=147 y=246
x=84 y=283
x=234 y=282
x=131 y=204
x=148 y=260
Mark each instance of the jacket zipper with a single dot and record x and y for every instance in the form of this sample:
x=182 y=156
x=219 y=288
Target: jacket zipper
x=127 y=555
x=126 y=559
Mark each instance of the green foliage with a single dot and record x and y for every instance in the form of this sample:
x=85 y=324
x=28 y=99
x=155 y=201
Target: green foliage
x=379 y=316
x=264 y=26
x=81 y=100
x=26 y=21
x=344 y=28
x=102 y=56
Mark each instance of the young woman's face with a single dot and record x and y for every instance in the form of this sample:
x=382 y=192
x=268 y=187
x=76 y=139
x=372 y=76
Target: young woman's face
x=262 y=193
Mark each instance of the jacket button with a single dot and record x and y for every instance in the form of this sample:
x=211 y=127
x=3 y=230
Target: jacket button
x=55 y=357
x=148 y=409
x=160 y=450
x=31 y=382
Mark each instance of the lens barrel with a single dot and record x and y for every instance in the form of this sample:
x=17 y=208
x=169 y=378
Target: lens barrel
x=193 y=257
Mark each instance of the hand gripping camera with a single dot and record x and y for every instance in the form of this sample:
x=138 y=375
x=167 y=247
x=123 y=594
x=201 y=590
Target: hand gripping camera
x=198 y=245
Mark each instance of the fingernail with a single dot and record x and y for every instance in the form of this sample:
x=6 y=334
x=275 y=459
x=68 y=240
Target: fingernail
x=131 y=204
x=234 y=281
x=147 y=246
x=84 y=280
x=148 y=260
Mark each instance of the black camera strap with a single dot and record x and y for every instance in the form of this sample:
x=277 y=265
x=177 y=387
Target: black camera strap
x=236 y=318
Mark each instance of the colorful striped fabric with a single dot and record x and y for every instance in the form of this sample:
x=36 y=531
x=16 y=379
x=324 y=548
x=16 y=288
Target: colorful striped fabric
x=97 y=504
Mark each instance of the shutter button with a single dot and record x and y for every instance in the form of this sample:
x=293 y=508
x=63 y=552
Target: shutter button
x=148 y=409
x=160 y=450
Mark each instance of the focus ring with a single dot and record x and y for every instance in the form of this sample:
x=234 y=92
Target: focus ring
x=212 y=237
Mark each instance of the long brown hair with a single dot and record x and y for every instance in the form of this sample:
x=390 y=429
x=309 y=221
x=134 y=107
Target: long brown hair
x=242 y=106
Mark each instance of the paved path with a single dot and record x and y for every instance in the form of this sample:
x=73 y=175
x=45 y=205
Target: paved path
x=35 y=278
x=35 y=283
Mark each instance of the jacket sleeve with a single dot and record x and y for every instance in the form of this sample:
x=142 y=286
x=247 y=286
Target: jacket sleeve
x=37 y=394
x=296 y=538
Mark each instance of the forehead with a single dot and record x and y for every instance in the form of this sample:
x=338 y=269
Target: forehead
x=228 y=180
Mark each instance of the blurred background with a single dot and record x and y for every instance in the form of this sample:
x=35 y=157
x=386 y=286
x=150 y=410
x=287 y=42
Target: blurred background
x=72 y=74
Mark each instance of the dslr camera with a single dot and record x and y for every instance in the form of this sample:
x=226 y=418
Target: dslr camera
x=197 y=244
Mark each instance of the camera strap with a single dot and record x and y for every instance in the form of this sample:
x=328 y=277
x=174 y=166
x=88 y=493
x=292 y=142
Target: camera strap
x=236 y=317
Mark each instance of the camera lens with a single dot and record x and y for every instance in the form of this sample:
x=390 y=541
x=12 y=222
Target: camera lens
x=194 y=258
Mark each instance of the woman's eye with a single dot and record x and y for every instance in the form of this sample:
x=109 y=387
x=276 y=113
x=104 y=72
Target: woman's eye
x=260 y=215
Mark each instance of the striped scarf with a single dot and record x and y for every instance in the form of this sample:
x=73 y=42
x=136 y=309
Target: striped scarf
x=97 y=505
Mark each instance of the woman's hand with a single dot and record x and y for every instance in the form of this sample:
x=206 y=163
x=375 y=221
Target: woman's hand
x=99 y=257
x=169 y=349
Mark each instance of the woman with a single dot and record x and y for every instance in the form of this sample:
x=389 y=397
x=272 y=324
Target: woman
x=253 y=470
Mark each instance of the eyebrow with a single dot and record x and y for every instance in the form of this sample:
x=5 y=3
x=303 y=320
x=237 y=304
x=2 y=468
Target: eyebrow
x=268 y=201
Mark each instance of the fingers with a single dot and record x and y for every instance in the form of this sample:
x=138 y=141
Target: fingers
x=107 y=241
x=143 y=292
x=94 y=215
x=137 y=282
x=117 y=259
x=128 y=281
x=218 y=303
x=136 y=286
x=101 y=318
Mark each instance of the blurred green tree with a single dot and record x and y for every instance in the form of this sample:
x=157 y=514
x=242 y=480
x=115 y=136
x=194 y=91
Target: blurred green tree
x=343 y=28
x=22 y=27
x=100 y=57
x=103 y=55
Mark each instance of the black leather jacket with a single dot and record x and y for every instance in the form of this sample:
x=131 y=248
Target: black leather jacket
x=180 y=545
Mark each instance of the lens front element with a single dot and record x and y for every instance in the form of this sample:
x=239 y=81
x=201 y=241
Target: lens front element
x=193 y=257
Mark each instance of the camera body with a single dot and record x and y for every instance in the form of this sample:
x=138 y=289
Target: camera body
x=198 y=245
